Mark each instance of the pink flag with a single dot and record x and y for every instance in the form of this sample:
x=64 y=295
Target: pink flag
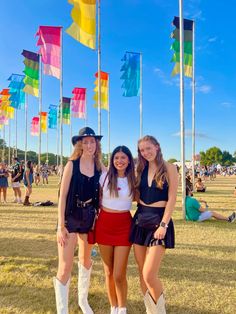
x=78 y=103
x=50 y=48
x=35 y=126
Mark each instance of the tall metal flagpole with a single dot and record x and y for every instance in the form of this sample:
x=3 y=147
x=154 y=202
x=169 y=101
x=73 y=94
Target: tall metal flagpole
x=193 y=109
x=108 y=122
x=99 y=69
x=58 y=126
x=26 y=130
x=40 y=108
x=86 y=110
x=141 y=96
x=9 y=142
x=61 y=93
x=47 y=146
x=70 y=133
x=3 y=146
x=16 y=135
x=182 y=127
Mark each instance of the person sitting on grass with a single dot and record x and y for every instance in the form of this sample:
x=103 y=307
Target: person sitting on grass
x=235 y=191
x=199 y=186
x=196 y=212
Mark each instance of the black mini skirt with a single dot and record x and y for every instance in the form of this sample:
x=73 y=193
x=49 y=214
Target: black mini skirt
x=145 y=237
x=80 y=220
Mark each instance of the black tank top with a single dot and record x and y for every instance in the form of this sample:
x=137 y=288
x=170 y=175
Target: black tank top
x=86 y=185
x=152 y=194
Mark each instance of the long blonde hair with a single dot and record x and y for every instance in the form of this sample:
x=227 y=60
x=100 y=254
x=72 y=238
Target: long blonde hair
x=161 y=173
x=78 y=151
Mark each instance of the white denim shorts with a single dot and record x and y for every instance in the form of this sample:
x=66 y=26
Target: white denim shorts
x=15 y=184
x=205 y=216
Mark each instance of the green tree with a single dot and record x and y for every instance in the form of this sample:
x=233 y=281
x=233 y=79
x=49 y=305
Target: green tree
x=172 y=160
x=212 y=156
x=227 y=159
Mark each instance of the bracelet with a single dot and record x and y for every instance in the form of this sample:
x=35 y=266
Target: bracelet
x=60 y=228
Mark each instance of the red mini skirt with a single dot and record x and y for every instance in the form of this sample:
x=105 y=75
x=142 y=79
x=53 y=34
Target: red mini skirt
x=113 y=228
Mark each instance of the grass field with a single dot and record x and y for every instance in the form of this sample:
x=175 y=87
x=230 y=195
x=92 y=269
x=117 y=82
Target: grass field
x=199 y=275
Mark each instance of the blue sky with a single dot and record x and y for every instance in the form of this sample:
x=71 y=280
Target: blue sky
x=133 y=25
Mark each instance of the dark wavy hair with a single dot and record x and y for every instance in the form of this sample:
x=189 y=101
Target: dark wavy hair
x=29 y=165
x=129 y=172
x=161 y=174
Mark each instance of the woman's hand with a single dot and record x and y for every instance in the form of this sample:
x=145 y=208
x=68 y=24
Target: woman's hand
x=62 y=236
x=160 y=233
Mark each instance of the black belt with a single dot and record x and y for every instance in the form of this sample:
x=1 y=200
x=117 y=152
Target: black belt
x=83 y=204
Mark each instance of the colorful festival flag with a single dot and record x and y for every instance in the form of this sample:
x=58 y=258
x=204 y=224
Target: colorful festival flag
x=17 y=85
x=5 y=102
x=50 y=48
x=44 y=121
x=188 y=47
x=104 y=77
x=83 y=28
x=52 y=116
x=131 y=74
x=35 y=126
x=78 y=103
x=31 y=71
x=66 y=110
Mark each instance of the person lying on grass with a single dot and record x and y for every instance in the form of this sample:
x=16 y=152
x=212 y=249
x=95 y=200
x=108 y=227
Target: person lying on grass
x=195 y=211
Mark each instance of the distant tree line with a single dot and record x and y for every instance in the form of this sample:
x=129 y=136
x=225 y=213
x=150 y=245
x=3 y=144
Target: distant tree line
x=33 y=156
x=214 y=155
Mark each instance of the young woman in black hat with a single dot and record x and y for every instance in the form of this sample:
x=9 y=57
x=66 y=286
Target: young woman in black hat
x=78 y=202
x=152 y=227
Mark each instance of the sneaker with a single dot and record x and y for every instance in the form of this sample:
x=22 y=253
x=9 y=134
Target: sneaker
x=232 y=217
x=15 y=201
x=19 y=202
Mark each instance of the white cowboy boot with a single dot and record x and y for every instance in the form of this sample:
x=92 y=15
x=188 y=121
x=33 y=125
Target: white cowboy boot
x=152 y=307
x=83 y=287
x=122 y=310
x=114 y=310
x=146 y=302
x=161 y=308
x=62 y=295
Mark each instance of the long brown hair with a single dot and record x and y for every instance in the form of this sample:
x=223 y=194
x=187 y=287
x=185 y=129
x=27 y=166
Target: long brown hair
x=78 y=151
x=161 y=173
x=129 y=172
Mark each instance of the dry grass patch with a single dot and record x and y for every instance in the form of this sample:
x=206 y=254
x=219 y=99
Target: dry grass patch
x=199 y=274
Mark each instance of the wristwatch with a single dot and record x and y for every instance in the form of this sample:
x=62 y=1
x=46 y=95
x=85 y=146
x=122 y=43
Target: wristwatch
x=164 y=225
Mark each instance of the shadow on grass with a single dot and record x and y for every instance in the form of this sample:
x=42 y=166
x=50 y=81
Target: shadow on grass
x=26 y=247
x=49 y=231
x=198 y=269
x=212 y=223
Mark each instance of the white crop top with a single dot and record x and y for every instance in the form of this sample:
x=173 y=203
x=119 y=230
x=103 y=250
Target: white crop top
x=124 y=199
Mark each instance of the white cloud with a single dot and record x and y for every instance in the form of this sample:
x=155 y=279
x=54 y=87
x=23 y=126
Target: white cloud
x=227 y=104
x=188 y=133
x=163 y=77
x=205 y=89
x=212 y=39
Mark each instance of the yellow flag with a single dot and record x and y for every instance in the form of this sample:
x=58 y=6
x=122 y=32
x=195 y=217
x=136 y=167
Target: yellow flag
x=83 y=28
x=187 y=70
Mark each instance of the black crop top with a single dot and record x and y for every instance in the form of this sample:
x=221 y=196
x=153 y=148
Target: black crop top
x=152 y=194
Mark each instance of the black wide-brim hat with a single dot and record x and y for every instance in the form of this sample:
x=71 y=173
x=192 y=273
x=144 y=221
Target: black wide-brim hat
x=85 y=132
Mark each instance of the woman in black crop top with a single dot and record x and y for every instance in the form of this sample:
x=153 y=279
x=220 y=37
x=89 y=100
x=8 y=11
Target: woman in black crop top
x=78 y=202
x=152 y=227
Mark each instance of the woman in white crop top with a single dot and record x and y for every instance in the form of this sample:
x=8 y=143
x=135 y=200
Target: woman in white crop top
x=113 y=225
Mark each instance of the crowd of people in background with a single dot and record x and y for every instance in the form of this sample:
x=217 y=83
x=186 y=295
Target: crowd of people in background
x=18 y=175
